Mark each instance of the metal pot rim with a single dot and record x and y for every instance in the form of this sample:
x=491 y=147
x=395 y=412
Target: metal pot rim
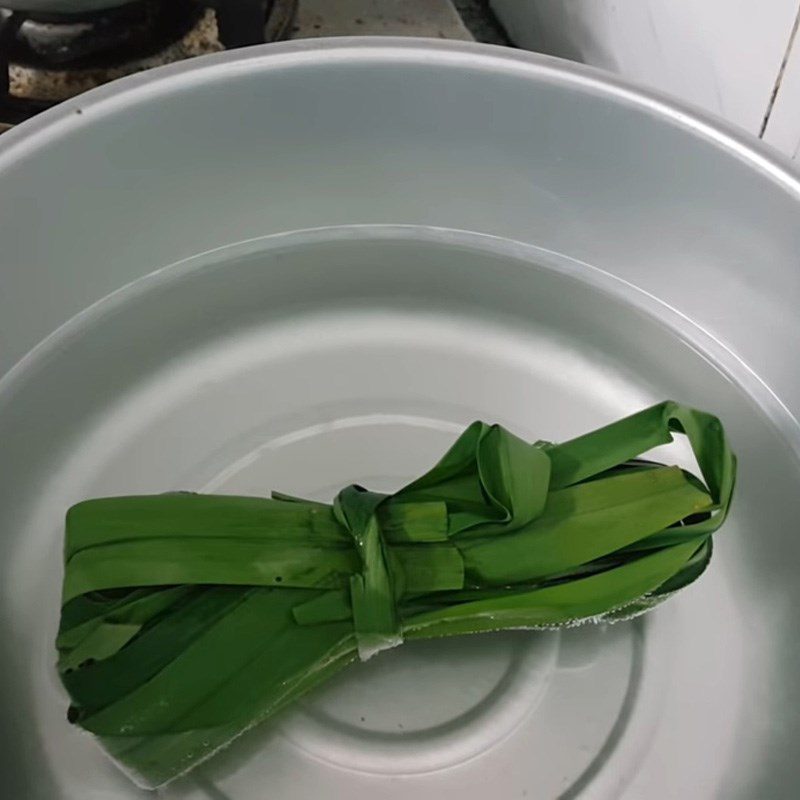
x=50 y=125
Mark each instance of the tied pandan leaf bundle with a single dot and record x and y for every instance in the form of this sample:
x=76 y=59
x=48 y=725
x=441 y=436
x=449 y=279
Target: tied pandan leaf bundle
x=188 y=618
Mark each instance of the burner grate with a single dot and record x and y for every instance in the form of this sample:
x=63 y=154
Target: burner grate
x=45 y=59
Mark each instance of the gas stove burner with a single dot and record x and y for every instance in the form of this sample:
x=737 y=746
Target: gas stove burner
x=102 y=38
x=46 y=58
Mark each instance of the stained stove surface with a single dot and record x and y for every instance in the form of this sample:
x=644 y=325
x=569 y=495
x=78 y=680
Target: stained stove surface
x=47 y=58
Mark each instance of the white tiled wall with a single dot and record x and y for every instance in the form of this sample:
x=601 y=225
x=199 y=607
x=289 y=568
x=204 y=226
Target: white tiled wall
x=783 y=124
x=724 y=55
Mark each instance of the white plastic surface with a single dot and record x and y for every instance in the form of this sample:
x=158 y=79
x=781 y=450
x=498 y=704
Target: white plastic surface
x=723 y=55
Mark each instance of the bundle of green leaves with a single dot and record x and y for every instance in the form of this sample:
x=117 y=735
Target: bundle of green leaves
x=188 y=618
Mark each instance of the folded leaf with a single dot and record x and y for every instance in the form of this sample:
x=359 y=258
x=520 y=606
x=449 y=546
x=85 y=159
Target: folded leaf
x=186 y=619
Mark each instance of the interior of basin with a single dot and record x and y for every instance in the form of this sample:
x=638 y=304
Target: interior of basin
x=303 y=362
